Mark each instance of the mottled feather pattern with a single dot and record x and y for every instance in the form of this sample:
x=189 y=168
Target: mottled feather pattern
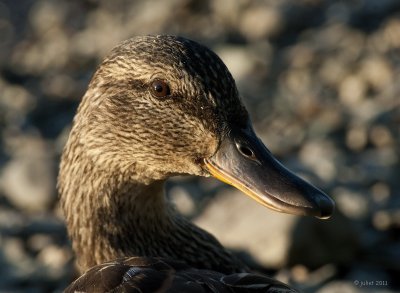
x=124 y=143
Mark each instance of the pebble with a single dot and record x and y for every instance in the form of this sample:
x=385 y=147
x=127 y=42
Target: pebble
x=28 y=179
x=352 y=90
x=357 y=138
x=183 y=201
x=320 y=156
x=352 y=203
x=377 y=72
x=260 y=22
x=54 y=258
x=380 y=192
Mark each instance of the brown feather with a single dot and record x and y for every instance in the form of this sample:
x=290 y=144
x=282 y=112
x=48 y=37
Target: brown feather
x=161 y=275
x=124 y=144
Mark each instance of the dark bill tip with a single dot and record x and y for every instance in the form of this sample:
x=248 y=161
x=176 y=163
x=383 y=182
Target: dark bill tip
x=326 y=206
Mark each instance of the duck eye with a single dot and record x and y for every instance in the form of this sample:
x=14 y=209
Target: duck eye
x=160 y=88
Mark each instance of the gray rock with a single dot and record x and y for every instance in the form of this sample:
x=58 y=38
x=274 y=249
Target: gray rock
x=317 y=243
x=242 y=224
x=28 y=179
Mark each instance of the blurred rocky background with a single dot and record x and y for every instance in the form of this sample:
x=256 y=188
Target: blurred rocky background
x=321 y=80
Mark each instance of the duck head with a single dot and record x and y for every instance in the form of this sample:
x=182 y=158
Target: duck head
x=162 y=105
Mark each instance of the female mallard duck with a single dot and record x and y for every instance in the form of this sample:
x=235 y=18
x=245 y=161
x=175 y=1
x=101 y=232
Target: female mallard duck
x=160 y=106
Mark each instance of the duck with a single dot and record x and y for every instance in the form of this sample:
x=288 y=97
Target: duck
x=156 y=107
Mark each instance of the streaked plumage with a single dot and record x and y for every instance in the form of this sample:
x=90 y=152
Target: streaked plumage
x=159 y=106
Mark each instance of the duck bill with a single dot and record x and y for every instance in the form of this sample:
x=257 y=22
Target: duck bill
x=244 y=162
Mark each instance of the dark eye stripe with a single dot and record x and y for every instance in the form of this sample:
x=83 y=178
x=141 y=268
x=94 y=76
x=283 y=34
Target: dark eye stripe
x=160 y=88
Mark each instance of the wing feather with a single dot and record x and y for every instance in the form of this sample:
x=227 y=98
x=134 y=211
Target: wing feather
x=142 y=275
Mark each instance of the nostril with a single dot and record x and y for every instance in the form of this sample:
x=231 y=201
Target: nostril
x=245 y=151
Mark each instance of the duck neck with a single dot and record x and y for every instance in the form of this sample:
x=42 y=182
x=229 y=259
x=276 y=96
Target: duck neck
x=111 y=216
